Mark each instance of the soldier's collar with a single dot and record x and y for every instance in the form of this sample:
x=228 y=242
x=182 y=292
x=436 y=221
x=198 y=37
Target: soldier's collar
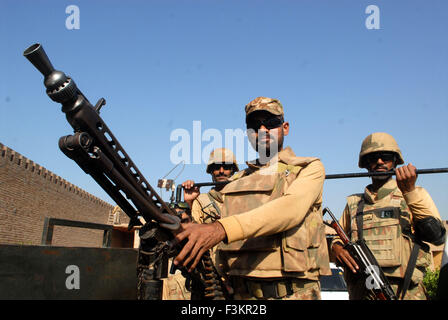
x=389 y=187
x=283 y=156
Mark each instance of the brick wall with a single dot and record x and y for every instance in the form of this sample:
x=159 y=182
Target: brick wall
x=29 y=193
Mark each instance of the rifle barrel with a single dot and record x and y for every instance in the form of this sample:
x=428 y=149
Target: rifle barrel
x=343 y=176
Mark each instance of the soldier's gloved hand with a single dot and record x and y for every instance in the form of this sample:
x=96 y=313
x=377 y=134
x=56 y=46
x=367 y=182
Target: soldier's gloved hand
x=200 y=238
x=344 y=257
x=406 y=178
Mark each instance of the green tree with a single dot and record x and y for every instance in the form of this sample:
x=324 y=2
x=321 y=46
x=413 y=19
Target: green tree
x=430 y=281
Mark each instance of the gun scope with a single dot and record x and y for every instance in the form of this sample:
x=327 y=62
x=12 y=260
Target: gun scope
x=60 y=88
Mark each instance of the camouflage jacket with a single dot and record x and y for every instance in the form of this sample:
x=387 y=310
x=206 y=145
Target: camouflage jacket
x=273 y=220
x=206 y=208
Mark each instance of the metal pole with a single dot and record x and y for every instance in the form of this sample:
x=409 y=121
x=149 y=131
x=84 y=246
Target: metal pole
x=390 y=173
x=344 y=176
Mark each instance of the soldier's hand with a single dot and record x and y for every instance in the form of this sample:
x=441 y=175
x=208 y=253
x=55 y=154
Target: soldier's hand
x=344 y=257
x=200 y=238
x=190 y=192
x=406 y=178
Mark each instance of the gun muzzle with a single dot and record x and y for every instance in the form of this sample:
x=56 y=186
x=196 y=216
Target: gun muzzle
x=37 y=56
x=60 y=88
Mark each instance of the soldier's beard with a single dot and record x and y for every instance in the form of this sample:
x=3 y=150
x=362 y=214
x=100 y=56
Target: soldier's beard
x=266 y=153
x=380 y=178
x=268 y=147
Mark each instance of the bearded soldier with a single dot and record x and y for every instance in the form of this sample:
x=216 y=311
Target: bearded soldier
x=393 y=217
x=271 y=239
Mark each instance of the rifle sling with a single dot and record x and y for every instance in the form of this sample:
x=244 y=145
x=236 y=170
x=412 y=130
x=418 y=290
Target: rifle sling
x=409 y=271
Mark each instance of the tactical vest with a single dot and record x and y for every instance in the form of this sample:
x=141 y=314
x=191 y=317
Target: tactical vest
x=209 y=207
x=298 y=250
x=388 y=233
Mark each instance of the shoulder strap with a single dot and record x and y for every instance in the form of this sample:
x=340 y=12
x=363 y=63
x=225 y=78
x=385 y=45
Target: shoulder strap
x=409 y=271
x=288 y=168
x=215 y=206
x=359 y=218
x=406 y=230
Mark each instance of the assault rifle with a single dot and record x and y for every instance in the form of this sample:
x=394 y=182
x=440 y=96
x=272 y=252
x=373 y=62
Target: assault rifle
x=369 y=270
x=96 y=151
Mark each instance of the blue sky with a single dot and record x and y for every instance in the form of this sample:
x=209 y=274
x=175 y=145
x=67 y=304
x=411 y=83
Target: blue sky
x=161 y=65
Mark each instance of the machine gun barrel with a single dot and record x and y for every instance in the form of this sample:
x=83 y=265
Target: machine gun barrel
x=37 y=56
x=96 y=150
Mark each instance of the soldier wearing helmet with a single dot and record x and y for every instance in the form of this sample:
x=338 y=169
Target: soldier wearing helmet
x=270 y=238
x=393 y=216
x=205 y=206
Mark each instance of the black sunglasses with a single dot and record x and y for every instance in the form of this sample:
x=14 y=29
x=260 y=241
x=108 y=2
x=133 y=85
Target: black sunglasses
x=225 y=166
x=270 y=123
x=385 y=156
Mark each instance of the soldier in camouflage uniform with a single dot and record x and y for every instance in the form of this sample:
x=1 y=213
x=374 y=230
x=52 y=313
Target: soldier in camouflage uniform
x=386 y=213
x=205 y=207
x=271 y=239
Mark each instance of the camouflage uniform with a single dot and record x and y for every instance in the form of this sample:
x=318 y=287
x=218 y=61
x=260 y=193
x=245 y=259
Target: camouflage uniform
x=174 y=287
x=388 y=217
x=206 y=207
x=276 y=245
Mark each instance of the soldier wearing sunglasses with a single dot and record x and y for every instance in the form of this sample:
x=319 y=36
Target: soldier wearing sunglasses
x=270 y=238
x=205 y=206
x=393 y=217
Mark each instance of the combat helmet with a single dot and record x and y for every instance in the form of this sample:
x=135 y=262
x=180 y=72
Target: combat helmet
x=221 y=155
x=379 y=141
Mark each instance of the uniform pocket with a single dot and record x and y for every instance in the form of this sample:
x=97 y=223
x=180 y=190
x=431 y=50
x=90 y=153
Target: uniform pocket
x=301 y=245
x=382 y=233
